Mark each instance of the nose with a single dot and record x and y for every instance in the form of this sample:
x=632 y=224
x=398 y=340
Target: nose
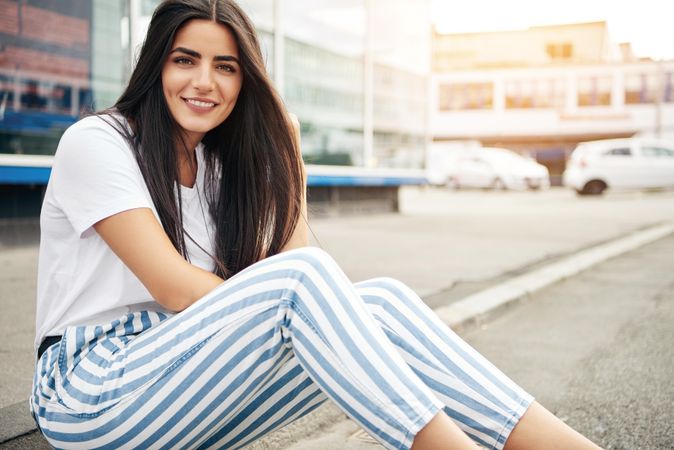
x=203 y=79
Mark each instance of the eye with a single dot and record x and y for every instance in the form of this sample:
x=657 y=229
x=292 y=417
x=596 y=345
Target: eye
x=183 y=60
x=226 y=68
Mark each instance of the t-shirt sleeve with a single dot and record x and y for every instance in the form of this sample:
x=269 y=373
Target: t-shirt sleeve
x=95 y=175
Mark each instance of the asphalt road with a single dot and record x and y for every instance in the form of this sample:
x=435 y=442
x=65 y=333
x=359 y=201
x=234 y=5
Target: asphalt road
x=598 y=349
x=444 y=244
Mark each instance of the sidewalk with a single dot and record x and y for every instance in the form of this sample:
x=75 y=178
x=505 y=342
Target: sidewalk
x=446 y=246
x=463 y=316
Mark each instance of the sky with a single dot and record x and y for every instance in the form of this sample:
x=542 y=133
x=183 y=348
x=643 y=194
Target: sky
x=647 y=24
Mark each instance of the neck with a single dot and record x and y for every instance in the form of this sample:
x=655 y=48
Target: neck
x=191 y=139
x=187 y=167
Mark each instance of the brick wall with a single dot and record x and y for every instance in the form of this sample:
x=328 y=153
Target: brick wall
x=9 y=17
x=40 y=26
x=54 y=28
x=35 y=60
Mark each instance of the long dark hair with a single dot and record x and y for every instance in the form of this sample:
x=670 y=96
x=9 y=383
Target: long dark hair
x=253 y=166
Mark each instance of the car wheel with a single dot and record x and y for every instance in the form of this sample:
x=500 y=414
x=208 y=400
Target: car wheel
x=498 y=185
x=594 y=187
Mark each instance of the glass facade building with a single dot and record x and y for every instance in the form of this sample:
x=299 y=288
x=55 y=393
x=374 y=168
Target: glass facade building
x=355 y=72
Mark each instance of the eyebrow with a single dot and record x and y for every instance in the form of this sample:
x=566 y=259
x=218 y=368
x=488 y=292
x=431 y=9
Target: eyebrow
x=198 y=55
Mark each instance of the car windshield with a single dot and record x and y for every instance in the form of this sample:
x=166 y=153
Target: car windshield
x=619 y=151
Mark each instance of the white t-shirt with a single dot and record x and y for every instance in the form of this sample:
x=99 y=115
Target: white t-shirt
x=80 y=280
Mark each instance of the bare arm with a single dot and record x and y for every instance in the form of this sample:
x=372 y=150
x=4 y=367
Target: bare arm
x=300 y=237
x=140 y=242
x=138 y=239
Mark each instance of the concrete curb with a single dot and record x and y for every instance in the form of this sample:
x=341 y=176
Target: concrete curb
x=466 y=313
x=476 y=308
x=16 y=421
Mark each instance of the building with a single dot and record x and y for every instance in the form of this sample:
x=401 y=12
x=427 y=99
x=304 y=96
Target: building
x=543 y=90
x=580 y=43
x=333 y=62
x=355 y=72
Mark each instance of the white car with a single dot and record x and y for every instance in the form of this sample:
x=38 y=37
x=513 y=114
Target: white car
x=497 y=168
x=632 y=163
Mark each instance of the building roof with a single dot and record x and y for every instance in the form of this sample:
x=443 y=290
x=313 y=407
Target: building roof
x=574 y=43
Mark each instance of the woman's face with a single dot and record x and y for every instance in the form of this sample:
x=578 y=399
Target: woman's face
x=201 y=77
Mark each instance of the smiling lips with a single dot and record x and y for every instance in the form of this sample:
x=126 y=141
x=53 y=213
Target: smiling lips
x=199 y=104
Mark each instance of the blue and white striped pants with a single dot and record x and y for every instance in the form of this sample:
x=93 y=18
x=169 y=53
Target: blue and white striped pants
x=261 y=350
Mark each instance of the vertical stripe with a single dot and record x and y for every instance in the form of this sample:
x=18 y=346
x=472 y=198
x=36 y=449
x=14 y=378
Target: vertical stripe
x=261 y=350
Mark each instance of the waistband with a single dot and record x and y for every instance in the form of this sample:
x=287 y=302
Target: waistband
x=46 y=343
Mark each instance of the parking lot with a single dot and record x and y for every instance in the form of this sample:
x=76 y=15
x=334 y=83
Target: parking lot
x=445 y=244
x=446 y=238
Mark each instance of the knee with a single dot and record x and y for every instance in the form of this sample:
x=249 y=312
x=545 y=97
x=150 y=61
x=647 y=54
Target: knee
x=387 y=293
x=387 y=284
x=313 y=257
x=309 y=251
x=313 y=277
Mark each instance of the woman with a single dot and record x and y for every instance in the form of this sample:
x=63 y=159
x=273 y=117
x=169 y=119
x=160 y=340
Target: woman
x=179 y=304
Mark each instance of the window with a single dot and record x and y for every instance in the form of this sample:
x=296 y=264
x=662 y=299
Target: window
x=262 y=14
x=400 y=53
x=621 y=151
x=463 y=96
x=540 y=93
x=51 y=75
x=559 y=50
x=323 y=72
x=640 y=88
x=594 y=91
x=657 y=152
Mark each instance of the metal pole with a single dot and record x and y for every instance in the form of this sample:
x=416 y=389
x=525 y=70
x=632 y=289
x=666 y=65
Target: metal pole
x=431 y=92
x=135 y=11
x=368 y=88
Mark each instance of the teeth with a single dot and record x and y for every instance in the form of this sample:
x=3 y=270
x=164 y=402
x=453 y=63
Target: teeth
x=200 y=104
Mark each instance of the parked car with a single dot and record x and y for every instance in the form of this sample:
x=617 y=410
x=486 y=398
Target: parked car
x=632 y=163
x=441 y=158
x=497 y=168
